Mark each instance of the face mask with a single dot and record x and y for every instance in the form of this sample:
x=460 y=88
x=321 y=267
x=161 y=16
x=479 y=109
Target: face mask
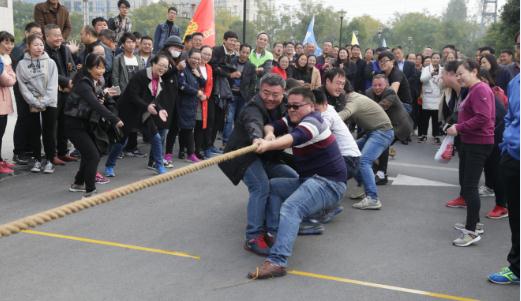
x=175 y=54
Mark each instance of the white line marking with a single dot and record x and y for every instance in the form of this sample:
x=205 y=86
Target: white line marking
x=403 y=180
x=423 y=166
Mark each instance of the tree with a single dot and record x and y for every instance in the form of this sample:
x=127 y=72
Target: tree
x=367 y=28
x=146 y=18
x=501 y=35
x=421 y=27
x=456 y=11
x=23 y=14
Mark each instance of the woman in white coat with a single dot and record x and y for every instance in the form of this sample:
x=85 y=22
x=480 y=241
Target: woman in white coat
x=431 y=95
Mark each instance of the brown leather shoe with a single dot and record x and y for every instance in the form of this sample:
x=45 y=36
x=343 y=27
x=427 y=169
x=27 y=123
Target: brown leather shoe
x=267 y=270
x=57 y=161
x=68 y=158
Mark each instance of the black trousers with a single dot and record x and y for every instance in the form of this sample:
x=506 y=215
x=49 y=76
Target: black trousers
x=215 y=122
x=3 y=125
x=510 y=174
x=173 y=130
x=61 y=139
x=423 y=127
x=24 y=135
x=471 y=163
x=493 y=177
x=90 y=157
x=199 y=134
x=47 y=130
x=186 y=140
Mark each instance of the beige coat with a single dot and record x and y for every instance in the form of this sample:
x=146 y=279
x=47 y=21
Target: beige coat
x=7 y=80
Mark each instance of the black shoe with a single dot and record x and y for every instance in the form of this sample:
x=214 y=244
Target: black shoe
x=200 y=156
x=182 y=155
x=21 y=159
x=381 y=181
x=328 y=216
x=308 y=228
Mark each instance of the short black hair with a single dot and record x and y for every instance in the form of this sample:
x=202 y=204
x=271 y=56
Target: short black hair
x=123 y=2
x=244 y=45
x=287 y=43
x=507 y=51
x=451 y=66
x=197 y=34
x=192 y=51
x=450 y=46
x=188 y=38
x=397 y=47
x=386 y=54
x=276 y=43
x=306 y=93
x=157 y=57
x=263 y=32
x=172 y=8
x=6 y=36
x=98 y=19
x=490 y=49
x=31 y=25
x=147 y=38
x=137 y=34
x=331 y=73
x=50 y=27
x=320 y=96
x=273 y=79
x=230 y=34
x=356 y=46
x=126 y=36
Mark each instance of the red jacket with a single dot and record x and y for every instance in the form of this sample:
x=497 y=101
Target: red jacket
x=279 y=71
x=207 y=92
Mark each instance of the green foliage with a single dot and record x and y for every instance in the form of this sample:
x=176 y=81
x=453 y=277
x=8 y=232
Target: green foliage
x=501 y=34
x=23 y=14
x=421 y=27
x=456 y=11
x=146 y=18
x=367 y=28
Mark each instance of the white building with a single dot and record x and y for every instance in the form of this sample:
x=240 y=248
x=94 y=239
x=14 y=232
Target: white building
x=6 y=11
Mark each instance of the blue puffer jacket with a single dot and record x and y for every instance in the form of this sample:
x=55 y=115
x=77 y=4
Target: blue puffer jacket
x=189 y=84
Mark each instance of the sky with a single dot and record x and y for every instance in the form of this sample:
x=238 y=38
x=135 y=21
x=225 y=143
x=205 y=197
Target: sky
x=384 y=10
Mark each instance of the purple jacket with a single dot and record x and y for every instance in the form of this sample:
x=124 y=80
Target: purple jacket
x=476 y=116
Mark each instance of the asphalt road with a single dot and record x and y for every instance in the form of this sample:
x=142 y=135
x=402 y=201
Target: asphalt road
x=406 y=245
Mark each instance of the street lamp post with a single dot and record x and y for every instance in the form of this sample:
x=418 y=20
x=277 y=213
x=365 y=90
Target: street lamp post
x=410 y=43
x=342 y=13
x=85 y=12
x=244 y=22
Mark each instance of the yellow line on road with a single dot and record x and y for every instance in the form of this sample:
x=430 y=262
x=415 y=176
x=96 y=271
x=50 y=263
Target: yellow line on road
x=112 y=244
x=382 y=286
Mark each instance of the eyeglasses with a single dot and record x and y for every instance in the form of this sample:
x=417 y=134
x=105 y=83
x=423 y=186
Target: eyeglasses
x=295 y=106
x=383 y=61
x=162 y=66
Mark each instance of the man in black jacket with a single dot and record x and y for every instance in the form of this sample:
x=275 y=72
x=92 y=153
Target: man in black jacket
x=243 y=88
x=223 y=72
x=253 y=169
x=62 y=56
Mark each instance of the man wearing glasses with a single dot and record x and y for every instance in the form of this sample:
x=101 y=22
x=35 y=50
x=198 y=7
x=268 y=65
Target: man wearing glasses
x=255 y=170
x=321 y=168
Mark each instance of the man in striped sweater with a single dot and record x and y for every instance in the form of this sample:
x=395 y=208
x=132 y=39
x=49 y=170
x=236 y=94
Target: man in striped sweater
x=322 y=172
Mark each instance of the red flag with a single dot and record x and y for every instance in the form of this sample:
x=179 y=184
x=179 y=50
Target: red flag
x=203 y=21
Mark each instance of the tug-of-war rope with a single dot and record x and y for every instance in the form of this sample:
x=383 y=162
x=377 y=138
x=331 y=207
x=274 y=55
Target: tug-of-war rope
x=76 y=206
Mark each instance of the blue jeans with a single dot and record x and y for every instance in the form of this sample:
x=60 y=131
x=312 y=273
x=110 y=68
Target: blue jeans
x=296 y=199
x=371 y=145
x=115 y=151
x=230 y=117
x=257 y=179
x=162 y=134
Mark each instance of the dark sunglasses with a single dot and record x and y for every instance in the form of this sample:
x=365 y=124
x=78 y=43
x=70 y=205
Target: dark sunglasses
x=295 y=107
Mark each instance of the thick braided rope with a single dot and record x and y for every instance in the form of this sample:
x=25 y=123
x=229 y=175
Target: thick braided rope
x=76 y=206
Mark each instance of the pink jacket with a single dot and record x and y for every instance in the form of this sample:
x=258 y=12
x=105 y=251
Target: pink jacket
x=7 y=80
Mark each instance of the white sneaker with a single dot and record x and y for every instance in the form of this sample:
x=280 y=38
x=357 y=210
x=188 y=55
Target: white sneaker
x=37 y=167
x=368 y=203
x=466 y=239
x=49 y=168
x=484 y=191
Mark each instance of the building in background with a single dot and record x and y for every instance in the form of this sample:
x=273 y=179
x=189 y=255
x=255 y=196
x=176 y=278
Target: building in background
x=6 y=11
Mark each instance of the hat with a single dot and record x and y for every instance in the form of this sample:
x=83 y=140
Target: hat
x=174 y=41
